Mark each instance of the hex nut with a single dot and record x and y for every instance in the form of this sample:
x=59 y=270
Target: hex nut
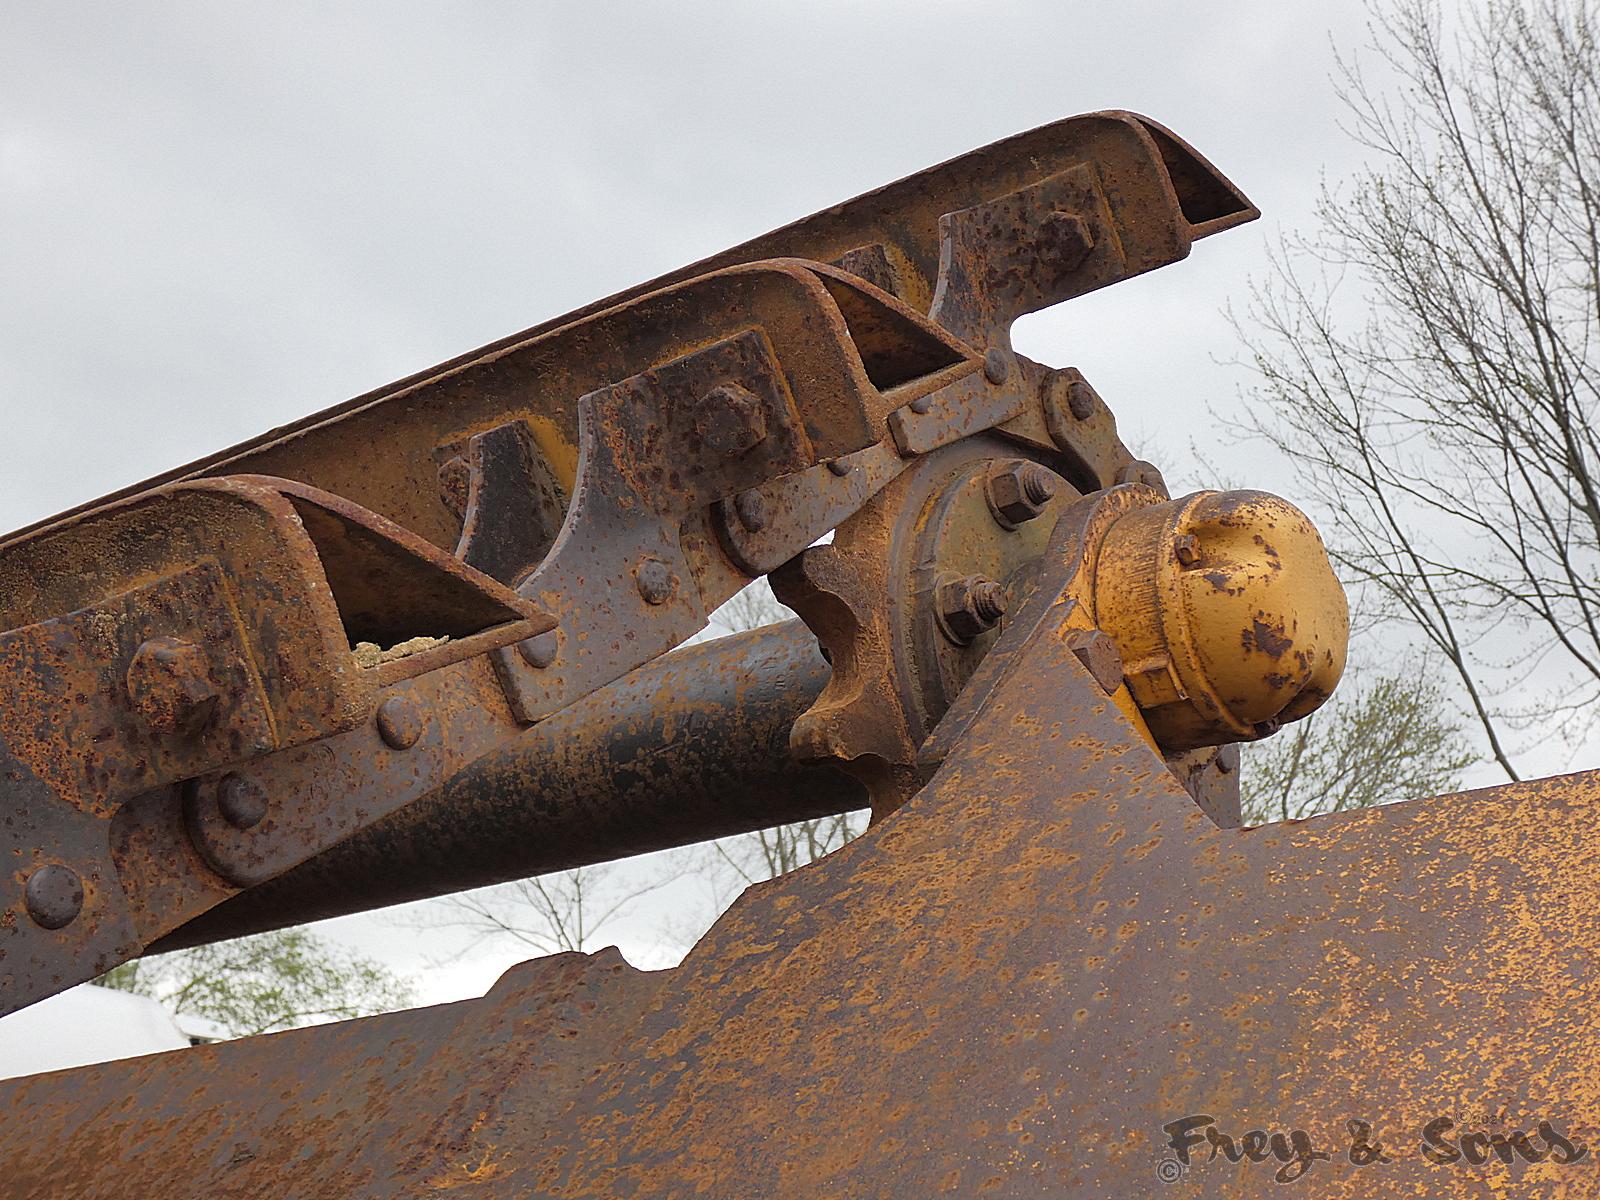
x=969 y=606
x=731 y=419
x=169 y=684
x=1018 y=492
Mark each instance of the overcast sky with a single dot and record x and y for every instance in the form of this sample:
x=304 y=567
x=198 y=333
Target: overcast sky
x=219 y=217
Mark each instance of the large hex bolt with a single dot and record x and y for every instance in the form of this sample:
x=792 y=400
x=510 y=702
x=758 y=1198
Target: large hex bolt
x=1018 y=492
x=1065 y=239
x=731 y=420
x=169 y=682
x=969 y=606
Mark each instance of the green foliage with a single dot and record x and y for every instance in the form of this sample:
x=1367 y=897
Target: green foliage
x=1393 y=738
x=264 y=983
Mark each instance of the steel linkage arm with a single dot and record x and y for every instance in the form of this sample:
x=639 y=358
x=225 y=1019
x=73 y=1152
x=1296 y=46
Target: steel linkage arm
x=187 y=713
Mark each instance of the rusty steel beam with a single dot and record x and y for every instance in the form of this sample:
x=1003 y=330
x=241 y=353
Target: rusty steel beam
x=691 y=747
x=517 y=528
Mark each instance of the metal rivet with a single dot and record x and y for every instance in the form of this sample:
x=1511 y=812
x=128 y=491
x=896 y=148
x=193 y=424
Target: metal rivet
x=751 y=508
x=922 y=405
x=731 y=419
x=1142 y=472
x=657 y=584
x=996 y=366
x=400 y=722
x=540 y=650
x=839 y=467
x=1228 y=759
x=1080 y=400
x=54 y=896
x=241 y=801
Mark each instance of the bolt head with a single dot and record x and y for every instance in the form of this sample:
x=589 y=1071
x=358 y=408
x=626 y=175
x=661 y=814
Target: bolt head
x=968 y=607
x=731 y=420
x=657 y=584
x=1099 y=656
x=1185 y=549
x=1081 y=399
x=242 y=802
x=540 y=650
x=750 y=507
x=1065 y=239
x=996 y=366
x=169 y=683
x=53 y=895
x=400 y=722
x=1019 y=491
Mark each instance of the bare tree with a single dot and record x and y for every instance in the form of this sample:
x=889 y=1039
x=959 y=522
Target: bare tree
x=1392 y=738
x=1429 y=356
x=752 y=857
x=563 y=910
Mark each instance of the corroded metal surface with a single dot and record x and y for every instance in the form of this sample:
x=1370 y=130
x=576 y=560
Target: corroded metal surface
x=1007 y=989
x=365 y=658
x=694 y=746
x=623 y=469
x=165 y=637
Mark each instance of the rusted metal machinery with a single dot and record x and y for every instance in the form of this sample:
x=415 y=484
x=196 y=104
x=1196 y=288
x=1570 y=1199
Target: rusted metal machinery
x=419 y=642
